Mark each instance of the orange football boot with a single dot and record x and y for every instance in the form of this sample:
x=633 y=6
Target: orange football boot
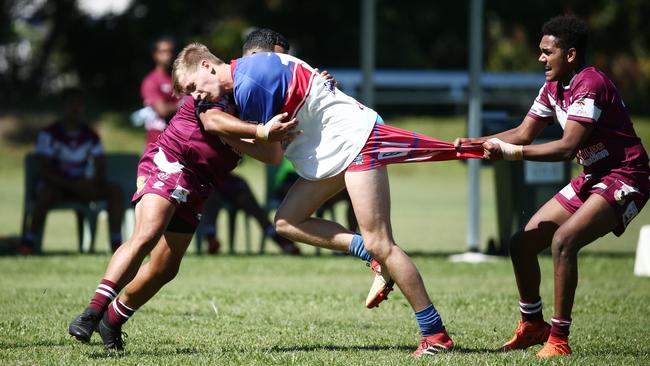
x=528 y=333
x=555 y=347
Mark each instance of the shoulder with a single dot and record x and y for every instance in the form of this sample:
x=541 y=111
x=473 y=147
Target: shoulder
x=590 y=80
x=187 y=109
x=53 y=129
x=263 y=63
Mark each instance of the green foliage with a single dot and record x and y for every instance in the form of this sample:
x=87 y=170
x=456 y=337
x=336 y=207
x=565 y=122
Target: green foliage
x=110 y=55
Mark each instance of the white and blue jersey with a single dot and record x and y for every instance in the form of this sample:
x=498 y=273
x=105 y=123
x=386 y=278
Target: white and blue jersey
x=335 y=126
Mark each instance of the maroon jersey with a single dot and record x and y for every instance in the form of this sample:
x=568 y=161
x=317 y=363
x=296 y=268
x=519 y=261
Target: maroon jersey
x=202 y=154
x=185 y=163
x=591 y=97
x=69 y=150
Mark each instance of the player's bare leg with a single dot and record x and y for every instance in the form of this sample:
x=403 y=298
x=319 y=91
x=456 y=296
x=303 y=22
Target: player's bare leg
x=370 y=194
x=524 y=248
x=527 y=244
x=152 y=214
x=592 y=220
x=293 y=219
x=165 y=262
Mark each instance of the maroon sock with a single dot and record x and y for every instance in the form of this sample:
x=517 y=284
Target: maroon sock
x=118 y=313
x=104 y=294
x=560 y=327
x=531 y=311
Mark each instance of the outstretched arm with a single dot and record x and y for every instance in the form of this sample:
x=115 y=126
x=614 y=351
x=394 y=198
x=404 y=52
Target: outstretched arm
x=575 y=135
x=524 y=134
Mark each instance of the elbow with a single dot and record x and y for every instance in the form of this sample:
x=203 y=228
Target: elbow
x=212 y=128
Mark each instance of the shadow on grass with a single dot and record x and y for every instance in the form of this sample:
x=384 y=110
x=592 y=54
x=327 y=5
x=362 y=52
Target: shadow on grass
x=406 y=348
x=183 y=351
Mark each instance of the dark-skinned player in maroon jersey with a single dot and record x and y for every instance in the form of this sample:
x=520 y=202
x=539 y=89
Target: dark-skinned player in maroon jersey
x=609 y=193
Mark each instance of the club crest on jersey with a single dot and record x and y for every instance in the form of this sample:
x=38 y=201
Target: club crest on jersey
x=163 y=176
x=139 y=183
x=180 y=194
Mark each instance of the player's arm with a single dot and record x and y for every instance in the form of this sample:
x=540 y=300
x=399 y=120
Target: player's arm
x=218 y=122
x=524 y=134
x=575 y=135
x=266 y=152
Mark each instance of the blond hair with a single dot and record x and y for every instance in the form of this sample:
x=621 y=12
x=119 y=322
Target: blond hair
x=188 y=62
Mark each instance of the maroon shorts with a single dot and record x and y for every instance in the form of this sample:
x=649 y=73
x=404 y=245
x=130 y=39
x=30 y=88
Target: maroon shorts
x=168 y=179
x=626 y=195
x=391 y=145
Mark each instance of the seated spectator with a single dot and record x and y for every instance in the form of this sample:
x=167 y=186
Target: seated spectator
x=64 y=149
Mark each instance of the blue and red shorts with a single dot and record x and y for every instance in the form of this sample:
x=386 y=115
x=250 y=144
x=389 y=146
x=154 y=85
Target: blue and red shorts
x=391 y=145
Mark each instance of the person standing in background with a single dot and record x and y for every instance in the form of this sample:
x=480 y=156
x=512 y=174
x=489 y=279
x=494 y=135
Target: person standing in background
x=156 y=89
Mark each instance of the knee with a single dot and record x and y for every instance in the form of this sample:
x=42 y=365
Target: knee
x=167 y=273
x=563 y=245
x=143 y=241
x=378 y=249
x=282 y=225
x=516 y=245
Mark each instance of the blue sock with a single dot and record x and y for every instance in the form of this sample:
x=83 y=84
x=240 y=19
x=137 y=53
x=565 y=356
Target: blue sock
x=429 y=321
x=357 y=249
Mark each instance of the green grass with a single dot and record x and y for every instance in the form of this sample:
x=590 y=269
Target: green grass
x=277 y=310
x=272 y=310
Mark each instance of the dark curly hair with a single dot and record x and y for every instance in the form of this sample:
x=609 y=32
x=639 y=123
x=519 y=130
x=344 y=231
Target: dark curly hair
x=570 y=32
x=265 y=39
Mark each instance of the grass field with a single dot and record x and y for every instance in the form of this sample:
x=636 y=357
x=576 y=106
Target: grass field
x=278 y=310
